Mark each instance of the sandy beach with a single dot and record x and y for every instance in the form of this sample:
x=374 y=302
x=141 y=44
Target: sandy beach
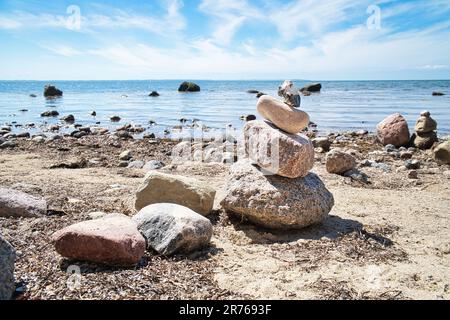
x=386 y=238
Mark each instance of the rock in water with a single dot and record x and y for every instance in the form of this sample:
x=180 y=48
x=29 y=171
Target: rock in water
x=165 y=188
x=290 y=94
x=154 y=94
x=287 y=155
x=52 y=92
x=425 y=123
x=50 y=113
x=189 y=87
x=339 y=162
x=170 y=228
x=442 y=153
x=112 y=240
x=15 y=203
x=393 y=130
x=438 y=94
x=315 y=87
x=283 y=116
x=276 y=202
x=7 y=260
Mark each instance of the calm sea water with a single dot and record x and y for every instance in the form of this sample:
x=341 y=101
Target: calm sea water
x=342 y=105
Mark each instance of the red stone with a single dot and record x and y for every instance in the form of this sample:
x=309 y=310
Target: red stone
x=393 y=130
x=110 y=240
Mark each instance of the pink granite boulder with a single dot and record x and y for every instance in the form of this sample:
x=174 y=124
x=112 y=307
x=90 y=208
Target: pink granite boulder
x=112 y=240
x=393 y=130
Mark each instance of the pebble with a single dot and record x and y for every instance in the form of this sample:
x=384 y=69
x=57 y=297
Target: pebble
x=412 y=164
x=126 y=155
x=154 y=165
x=136 y=164
x=413 y=174
x=7 y=144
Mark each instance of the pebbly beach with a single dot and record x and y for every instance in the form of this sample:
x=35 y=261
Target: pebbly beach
x=272 y=209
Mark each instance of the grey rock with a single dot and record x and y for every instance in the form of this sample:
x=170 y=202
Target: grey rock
x=50 y=113
x=170 y=228
x=412 y=164
x=136 y=164
x=52 y=92
x=69 y=118
x=442 y=153
x=7 y=260
x=8 y=144
x=276 y=202
x=154 y=165
x=160 y=187
x=126 y=155
x=15 y=203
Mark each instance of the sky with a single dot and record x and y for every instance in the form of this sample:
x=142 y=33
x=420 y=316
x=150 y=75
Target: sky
x=224 y=39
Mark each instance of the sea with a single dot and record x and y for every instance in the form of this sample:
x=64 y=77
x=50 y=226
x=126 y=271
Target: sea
x=340 y=106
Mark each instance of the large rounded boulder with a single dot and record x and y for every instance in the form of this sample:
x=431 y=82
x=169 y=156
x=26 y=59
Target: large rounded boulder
x=287 y=155
x=393 y=130
x=276 y=202
x=170 y=228
x=189 y=87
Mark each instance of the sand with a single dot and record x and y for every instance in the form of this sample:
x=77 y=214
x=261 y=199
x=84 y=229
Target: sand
x=386 y=240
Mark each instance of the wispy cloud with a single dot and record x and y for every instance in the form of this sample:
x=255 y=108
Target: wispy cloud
x=229 y=16
x=172 y=21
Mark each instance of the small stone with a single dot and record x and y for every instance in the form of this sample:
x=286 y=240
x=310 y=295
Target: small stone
x=323 y=143
x=390 y=148
x=405 y=155
x=50 y=113
x=248 y=118
x=339 y=162
x=126 y=155
x=136 y=164
x=437 y=93
x=154 y=94
x=154 y=165
x=8 y=144
x=412 y=164
x=123 y=164
x=171 y=228
x=413 y=174
x=69 y=118
x=115 y=119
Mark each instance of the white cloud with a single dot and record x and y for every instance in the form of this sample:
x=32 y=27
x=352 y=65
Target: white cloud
x=229 y=16
x=63 y=50
x=172 y=21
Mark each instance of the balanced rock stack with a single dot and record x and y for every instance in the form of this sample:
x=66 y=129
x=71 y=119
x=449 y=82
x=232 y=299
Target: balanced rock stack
x=425 y=135
x=273 y=187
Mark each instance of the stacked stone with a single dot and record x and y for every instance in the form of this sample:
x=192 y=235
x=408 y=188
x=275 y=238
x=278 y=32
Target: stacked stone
x=425 y=135
x=273 y=186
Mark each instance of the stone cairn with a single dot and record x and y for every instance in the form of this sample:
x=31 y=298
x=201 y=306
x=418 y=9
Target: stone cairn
x=425 y=135
x=272 y=186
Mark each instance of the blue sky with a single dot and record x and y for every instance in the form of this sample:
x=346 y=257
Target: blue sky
x=224 y=39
